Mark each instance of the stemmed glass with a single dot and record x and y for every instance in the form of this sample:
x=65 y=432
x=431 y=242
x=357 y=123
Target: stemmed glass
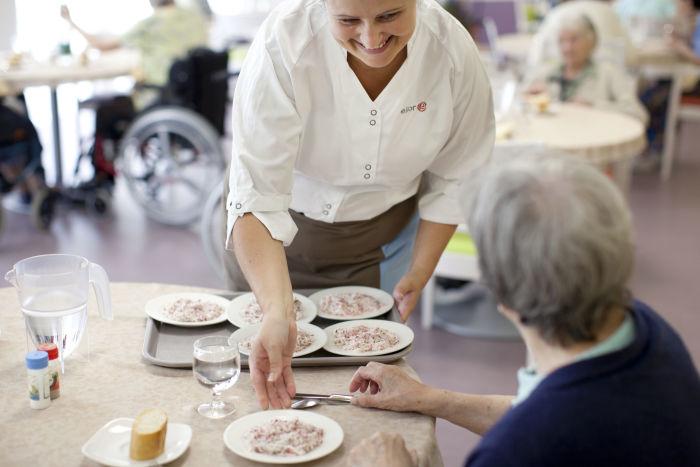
x=217 y=364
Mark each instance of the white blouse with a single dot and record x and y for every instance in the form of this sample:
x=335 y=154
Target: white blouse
x=306 y=135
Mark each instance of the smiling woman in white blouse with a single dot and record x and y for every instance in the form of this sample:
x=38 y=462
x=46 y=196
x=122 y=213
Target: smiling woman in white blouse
x=355 y=123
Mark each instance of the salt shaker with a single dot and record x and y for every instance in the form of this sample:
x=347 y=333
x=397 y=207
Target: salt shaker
x=38 y=379
x=54 y=368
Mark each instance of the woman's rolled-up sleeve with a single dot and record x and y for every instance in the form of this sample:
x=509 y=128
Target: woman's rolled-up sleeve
x=266 y=133
x=469 y=146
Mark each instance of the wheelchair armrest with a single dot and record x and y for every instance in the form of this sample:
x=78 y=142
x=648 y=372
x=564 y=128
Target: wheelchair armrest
x=149 y=86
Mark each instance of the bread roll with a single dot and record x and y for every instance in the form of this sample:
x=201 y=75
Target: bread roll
x=148 y=434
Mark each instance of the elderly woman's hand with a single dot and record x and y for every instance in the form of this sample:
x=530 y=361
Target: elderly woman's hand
x=271 y=363
x=386 y=387
x=385 y=449
x=682 y=49
x=581 y=101
x=538 y=87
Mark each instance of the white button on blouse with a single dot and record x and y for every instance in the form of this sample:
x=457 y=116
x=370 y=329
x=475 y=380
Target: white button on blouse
x=302 y=138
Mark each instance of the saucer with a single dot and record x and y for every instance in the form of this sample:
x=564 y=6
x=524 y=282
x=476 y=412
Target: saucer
x=110 y=444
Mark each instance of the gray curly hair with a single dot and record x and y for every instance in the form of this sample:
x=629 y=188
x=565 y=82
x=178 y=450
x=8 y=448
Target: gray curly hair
x=554 y=238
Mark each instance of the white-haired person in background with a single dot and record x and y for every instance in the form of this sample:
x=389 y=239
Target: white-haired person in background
x=612 y=32
x=579 y=78
x=610 y=382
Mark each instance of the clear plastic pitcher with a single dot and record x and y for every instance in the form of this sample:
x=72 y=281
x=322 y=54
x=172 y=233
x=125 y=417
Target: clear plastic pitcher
x=53 y=293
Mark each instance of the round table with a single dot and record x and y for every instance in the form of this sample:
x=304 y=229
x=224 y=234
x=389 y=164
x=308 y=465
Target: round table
x=606 y=138
x=30 y=73
x=116 y=382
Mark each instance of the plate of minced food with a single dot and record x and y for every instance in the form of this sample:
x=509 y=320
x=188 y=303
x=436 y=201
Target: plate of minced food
x=367 y=337
x=283 y=436
x=351 y=302
x=244 y=310
x=188 y=309
x=310 y=338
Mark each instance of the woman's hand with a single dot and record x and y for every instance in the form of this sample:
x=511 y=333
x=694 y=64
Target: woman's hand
x=386 y=387
x=271 y=362
x=385 y=449
x=407 y=292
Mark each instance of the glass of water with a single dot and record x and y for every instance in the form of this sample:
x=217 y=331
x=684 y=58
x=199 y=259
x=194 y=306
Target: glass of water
x=217 y=365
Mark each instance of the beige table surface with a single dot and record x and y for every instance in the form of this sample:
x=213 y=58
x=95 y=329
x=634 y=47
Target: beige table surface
x=602 y=136
x=30 y=73
x=116 y=382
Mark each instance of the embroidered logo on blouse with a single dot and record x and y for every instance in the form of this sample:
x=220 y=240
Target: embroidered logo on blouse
x=421 y=106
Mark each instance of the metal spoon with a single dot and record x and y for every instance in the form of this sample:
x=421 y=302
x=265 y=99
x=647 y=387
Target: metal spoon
x=305 y=403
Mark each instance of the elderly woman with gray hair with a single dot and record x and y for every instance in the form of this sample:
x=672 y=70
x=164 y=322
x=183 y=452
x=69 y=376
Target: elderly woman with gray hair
x=610 y=382
x=578 y=78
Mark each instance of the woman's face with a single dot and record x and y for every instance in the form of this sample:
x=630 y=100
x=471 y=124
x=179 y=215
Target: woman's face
x=575 y=46
x=373 y=31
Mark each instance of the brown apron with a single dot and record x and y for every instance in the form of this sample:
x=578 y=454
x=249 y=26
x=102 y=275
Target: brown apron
x=332 y=254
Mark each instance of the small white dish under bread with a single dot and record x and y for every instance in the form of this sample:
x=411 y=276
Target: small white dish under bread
x=110 y=444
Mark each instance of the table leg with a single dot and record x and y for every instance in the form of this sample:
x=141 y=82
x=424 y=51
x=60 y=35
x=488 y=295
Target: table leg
x=669 y=148
x=56 y=138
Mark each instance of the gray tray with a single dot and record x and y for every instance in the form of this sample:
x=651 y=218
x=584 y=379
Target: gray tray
x=171 y=346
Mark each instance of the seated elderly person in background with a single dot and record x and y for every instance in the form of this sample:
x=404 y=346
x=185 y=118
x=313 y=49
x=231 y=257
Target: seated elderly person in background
x=612 y=33
x=580 y=79
x=611 y=383
x=161 y=38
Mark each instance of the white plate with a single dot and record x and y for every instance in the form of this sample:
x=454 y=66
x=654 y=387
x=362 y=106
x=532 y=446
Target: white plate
x=234 y=436
x=404 y=333
x=318 y=343
x=235 y=309
x=110 y=444
x=155 y=308
x=386 y=300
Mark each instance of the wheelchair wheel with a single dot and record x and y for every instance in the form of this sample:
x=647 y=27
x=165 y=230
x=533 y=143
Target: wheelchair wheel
x=99 y=202
x=169 y=157
x=211 y=228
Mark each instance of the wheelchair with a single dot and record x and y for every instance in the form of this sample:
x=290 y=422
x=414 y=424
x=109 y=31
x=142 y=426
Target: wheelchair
x=171 y=152
x=20 y=166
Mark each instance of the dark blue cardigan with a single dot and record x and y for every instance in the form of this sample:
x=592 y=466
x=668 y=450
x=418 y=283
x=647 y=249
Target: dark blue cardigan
x=639 y=406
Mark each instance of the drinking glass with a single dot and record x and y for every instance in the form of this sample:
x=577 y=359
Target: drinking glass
x=217 y=364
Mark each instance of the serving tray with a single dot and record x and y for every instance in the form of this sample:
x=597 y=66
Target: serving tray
x=171 y=346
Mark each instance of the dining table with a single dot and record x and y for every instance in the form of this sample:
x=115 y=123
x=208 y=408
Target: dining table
x=608 y=139
x=111 y=380
x=26 y=72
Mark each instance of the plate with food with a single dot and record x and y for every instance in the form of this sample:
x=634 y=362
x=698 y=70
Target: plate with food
x=244 y=311
x=283 y=436
x=310 y=338
x=352 y=302
x=148 y=440
x=367 y=337
x=188 y=309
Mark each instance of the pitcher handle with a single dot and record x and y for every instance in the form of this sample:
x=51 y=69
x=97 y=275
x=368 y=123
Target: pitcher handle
x=100 y=283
